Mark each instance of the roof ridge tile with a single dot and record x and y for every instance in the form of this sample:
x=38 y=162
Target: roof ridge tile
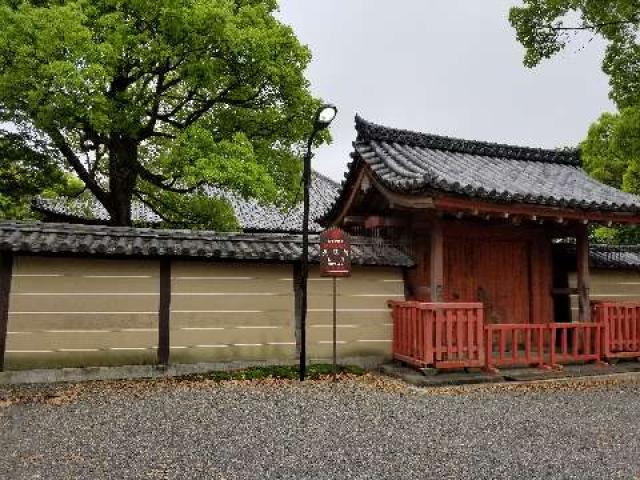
x=368 y=131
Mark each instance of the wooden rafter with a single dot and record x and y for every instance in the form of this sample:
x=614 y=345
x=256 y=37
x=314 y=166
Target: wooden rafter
x=454 y=205
x=346 y=205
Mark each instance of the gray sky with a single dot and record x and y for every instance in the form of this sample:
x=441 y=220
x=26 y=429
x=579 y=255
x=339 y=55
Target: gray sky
x=450 y=67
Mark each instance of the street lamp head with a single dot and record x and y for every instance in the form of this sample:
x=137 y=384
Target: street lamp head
x=325 y=115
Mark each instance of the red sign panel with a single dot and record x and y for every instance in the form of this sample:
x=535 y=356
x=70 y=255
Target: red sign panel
x=335 y=253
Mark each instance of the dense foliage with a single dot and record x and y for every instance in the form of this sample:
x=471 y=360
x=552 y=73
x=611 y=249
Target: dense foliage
x=24 y=173
x=611 y=152
x=154 y=100
x=545 y=27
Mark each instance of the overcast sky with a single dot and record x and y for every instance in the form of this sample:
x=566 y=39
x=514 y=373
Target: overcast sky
x=450 y=67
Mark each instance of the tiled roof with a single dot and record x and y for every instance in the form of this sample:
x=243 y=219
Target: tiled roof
x=251 y=215
x=412 y=163
x=617 y=257
x=60 y=238
x=624 y=257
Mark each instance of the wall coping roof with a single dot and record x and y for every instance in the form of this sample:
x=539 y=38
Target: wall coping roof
x=88 y=240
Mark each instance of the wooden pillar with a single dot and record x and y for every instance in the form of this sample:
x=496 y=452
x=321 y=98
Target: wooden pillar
x=164 y=312
x=6 y=269
x=584 y=280
x=437 y=262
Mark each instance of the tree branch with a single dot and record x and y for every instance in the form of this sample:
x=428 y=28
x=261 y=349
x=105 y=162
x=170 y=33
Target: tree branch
x=208 y=104
x=162 y=182
x=595 y=26
x=84 y=175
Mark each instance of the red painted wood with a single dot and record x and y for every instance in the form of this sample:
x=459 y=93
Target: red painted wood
x=480 y=322
x=458 y=339
x=455 y=204
x=428 y=338
x=510 y=273
x=621 y=328
x=441 y=334
x=499 y=352
x=471 y=342
x=437 y=261
x=453 y=335
x=449 y=335
x=582 y=350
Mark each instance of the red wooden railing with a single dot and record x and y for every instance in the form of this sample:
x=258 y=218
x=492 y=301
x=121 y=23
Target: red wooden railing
x=453 y=335
x=622 y=334
x=575 y=342
x=515 y=344
x=444 y=335
x=458 y=334
x=412 y=334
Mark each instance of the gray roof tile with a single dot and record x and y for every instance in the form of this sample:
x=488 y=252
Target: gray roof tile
x=251 y=215
x=411 y=162
x=61 y=238
x=615 y=257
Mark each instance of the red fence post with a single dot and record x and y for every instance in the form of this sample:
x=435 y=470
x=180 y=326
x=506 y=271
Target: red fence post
x=488 y=351
x=552 y=347
x=480 y=334
x=428 y=337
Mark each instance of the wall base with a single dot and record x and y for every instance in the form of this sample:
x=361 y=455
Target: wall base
x=130 y=372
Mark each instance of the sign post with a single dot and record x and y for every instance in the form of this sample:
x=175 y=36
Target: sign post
x=335 y=261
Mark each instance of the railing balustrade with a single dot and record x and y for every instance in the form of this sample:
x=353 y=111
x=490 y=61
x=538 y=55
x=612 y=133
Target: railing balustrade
x=454 y=335
x=622 y=328
x=515 y=344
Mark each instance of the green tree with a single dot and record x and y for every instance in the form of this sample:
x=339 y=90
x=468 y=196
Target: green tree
x=611 y=151
x=24 y=172
x=545 y=27
x=152 y=100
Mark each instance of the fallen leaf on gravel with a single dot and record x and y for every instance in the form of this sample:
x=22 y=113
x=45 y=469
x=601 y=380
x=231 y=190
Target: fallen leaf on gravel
x=572 y=385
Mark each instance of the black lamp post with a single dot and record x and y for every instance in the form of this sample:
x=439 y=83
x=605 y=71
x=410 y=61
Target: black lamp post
x=322 y=119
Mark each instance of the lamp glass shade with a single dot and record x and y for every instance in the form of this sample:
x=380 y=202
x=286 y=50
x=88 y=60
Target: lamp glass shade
x=327 y=114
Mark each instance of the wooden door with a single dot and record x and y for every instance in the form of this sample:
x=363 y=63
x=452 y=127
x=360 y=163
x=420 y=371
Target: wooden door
x=460 y=279
x=495 y=272
x=502 y=272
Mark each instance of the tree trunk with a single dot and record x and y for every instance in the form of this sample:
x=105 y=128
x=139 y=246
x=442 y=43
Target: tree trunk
x=123 y=155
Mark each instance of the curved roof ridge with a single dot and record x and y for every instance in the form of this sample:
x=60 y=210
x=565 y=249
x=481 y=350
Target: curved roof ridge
x=368 y=131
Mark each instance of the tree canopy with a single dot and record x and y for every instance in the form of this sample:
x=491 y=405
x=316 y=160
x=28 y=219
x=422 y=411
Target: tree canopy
x=24 y=173
x=545 y=27
x=611 y=151
x=152 y=101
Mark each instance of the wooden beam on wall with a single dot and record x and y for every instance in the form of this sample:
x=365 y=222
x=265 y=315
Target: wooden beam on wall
x=6 y=272
x=164 y=313
x=479 y=207
x=583 y=274
x=437 y=262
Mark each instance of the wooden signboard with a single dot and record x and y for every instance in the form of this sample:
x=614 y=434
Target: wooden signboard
x=335 y=253
x=335 y=261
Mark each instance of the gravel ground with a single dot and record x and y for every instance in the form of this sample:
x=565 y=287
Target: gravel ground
x=366 y=428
